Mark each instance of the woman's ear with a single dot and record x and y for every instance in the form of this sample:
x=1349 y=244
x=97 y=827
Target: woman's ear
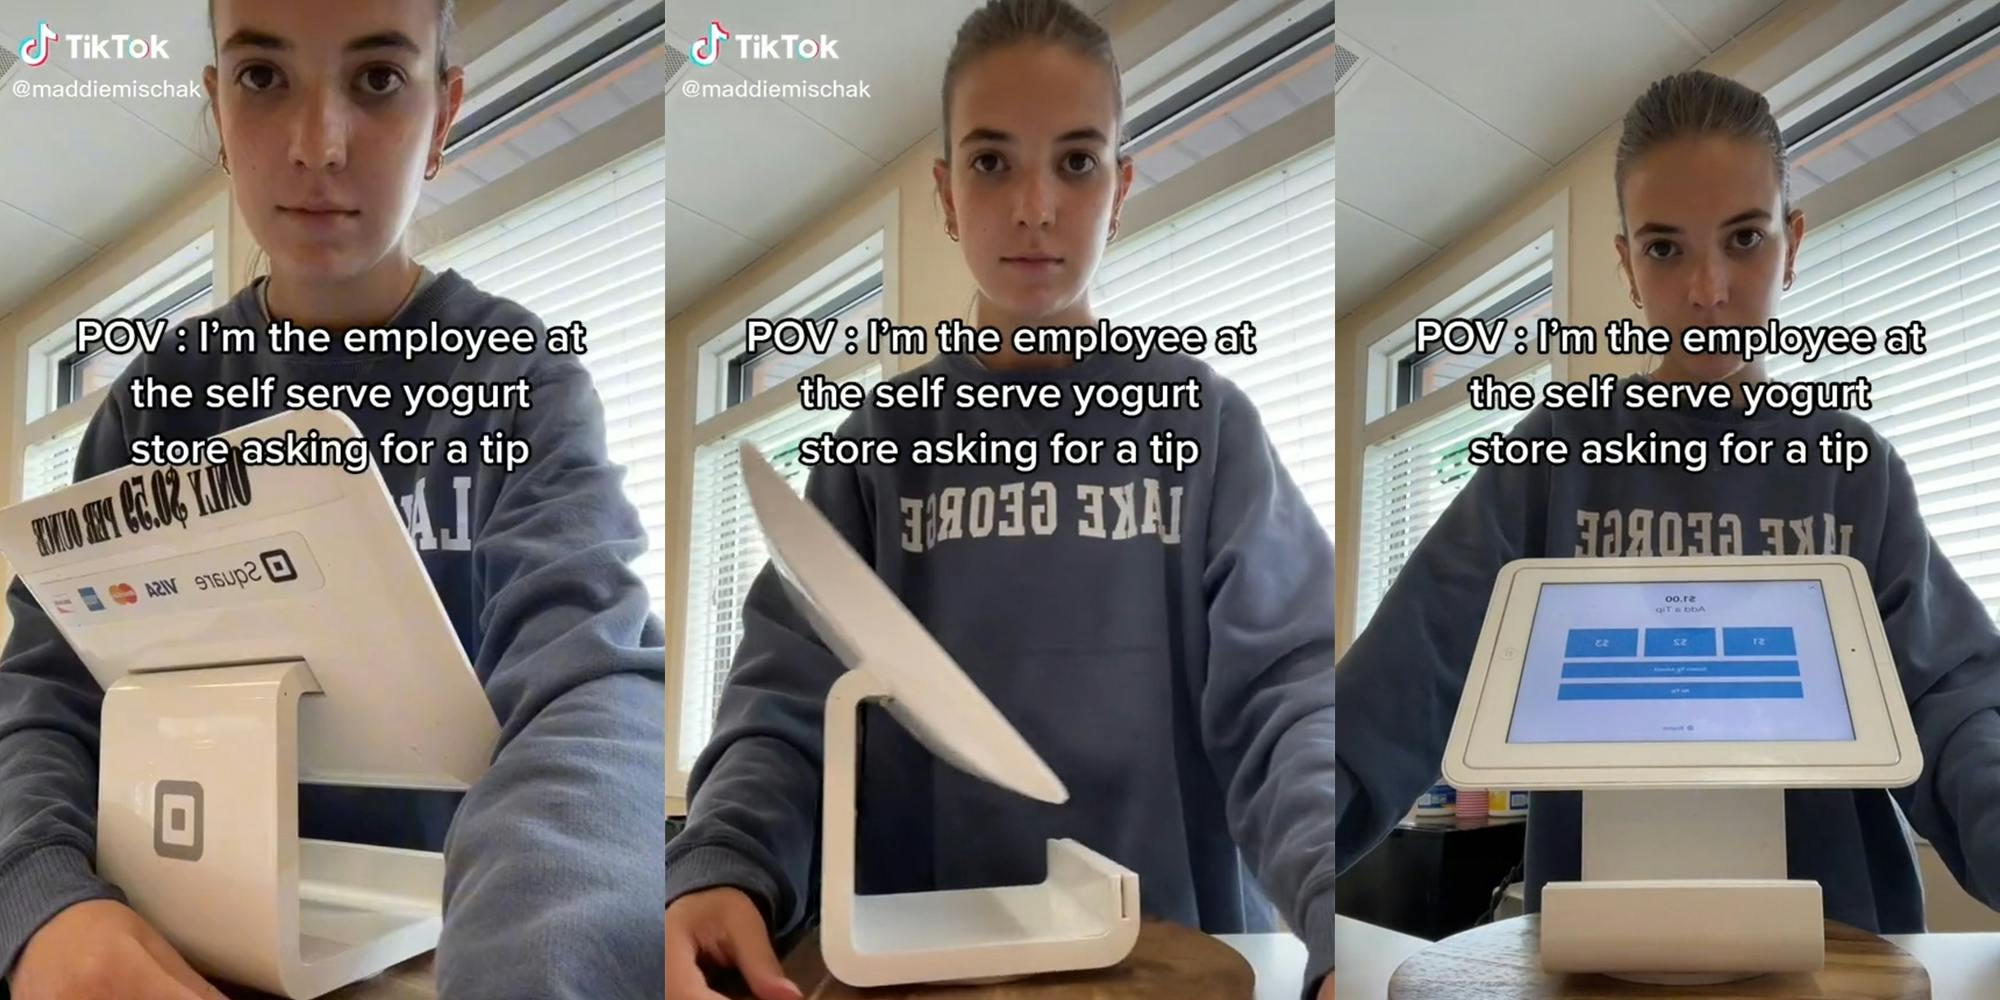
x=208 y=84
x=1624 y=249
x=451 y=94
x=1795 y=233
x=1125 y=174
x=941 y=174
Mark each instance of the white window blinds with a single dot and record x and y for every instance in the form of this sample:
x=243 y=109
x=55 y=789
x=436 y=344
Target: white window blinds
x=1408 y=480
x=1929 y=253
x=595 y=252
x=48 y=465
x=728 y=552
x=1263 y=252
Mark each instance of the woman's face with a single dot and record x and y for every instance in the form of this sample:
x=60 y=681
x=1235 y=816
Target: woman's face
x=1706 y=243
x=1034 y=182
x=330 y=114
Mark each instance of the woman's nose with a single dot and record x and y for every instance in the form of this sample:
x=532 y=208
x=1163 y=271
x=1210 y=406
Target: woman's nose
x=1034 y=203
x=319 y=133
x=1708 y=284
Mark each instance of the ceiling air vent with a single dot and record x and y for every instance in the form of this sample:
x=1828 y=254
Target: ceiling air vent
x=1344 y=62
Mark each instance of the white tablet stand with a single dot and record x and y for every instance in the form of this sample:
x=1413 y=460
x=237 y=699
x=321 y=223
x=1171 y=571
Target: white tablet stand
x=232 y=667
x=1085 y=915
x=1684 y=874
x=214 y=754
x=1682 y=888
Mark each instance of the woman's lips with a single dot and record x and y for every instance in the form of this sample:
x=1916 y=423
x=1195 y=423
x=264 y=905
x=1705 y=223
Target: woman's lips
x=1033 y=264
x=319 y=220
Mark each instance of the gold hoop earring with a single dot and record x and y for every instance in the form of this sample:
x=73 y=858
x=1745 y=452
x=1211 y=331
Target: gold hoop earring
x=1636 y=304
x=223 y=155
x=952 y=231
x=431 y=173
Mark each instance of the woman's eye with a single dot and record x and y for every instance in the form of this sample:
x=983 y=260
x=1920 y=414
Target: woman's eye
x=1661 y=250
x=1754 y=239
x=258 y=77
x=1080 y=163
x=986 y=163
x=381 y=81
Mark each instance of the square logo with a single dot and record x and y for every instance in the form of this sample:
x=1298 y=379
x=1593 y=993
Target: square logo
x=177 y=819
x=278 y=564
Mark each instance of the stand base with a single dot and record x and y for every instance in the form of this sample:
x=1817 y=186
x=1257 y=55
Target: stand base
x=1501 y=961
x=1085 y=915
x=1684 y=932
x=198 y=825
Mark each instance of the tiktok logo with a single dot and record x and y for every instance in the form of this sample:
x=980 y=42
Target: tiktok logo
x=36 y=47
x=713 y=42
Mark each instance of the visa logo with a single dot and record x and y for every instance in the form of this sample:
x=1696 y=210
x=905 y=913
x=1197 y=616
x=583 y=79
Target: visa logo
x=163 y=588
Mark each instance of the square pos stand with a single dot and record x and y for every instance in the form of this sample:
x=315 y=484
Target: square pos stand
x=1684 y=873
x=1084 y=915
x=218 y=616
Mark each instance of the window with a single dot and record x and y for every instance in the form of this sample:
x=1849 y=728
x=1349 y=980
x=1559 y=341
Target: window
x=1415 y=444
x=851 y=289
x=48 y=465
x=1929 y=253
x=728 y=552
x=1409 y=479
x=65 y=385
x=852 y=304
x=594 y=252
x=1262 y=252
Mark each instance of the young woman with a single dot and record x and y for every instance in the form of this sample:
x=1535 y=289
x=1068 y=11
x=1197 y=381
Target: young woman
x=1174 y=671
x=331 y=116
x=1708 y=238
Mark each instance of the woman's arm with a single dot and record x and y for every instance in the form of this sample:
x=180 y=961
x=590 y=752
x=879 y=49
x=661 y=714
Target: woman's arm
x=49 y=706
x=1948 y=654
x=1267 y=702
x=552 y=865
x=1400 y=682
x=753 y=796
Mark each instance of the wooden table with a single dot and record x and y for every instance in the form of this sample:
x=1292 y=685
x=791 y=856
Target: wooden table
x=1277 y=963
x=415 y=979
x=1961 y=966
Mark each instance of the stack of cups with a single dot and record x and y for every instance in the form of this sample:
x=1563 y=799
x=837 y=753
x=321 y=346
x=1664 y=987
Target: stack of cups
x=1472 y=803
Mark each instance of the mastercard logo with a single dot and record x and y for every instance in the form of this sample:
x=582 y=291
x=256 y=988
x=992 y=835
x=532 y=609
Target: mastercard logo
x=122 y=593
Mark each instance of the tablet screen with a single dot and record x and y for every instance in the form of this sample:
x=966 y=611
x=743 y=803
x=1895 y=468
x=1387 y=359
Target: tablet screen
x=1750 y=660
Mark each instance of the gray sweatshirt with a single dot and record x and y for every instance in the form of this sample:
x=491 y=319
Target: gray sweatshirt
x=549 y=890
x=1399 y=683
x=1163 y=639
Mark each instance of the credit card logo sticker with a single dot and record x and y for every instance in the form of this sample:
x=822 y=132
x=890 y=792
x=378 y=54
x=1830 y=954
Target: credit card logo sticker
x=123 y=593
x=90 y=599
x=64 y=606
x=163 y=588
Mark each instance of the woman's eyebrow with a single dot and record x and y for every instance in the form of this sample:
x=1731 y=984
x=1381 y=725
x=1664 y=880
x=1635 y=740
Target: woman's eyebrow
x=1753 y=215
x=995 y=135
x=251 y=38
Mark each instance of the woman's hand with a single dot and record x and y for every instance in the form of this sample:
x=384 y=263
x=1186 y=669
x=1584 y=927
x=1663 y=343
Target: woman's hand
x=724 y=926
x=100 y=949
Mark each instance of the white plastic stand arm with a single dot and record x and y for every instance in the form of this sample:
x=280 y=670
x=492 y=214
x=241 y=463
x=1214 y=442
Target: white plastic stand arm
x=198 y=824
x=1683 y=887
x=1084 y=916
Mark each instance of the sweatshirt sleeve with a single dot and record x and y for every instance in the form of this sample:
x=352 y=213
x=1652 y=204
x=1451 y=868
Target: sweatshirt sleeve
x=1947 y=652
x=49 y=714
x=754 y=793
x=1267 y=703
x=1399 y=683
x=552 y=885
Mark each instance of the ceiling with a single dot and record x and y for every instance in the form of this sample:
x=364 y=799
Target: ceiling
x=1457 y=109
x=94 y=166
x=766 y=167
